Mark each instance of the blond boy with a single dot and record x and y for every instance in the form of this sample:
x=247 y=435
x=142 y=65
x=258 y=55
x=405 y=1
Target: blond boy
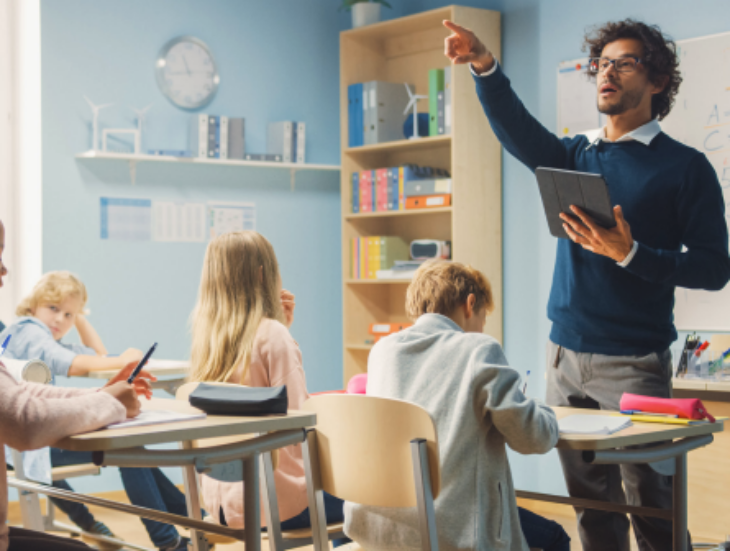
x=447 y=365
x=55 y=305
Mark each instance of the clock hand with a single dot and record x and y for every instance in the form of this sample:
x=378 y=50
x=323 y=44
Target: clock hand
x=185 y=61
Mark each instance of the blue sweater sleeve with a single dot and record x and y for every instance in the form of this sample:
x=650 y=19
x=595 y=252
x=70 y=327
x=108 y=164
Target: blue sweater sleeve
x=518 y=131
x=701 y=212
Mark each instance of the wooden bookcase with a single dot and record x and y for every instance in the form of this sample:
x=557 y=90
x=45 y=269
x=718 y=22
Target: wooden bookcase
x=403 y=50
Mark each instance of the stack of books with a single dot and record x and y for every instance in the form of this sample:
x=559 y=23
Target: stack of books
x=402 y=269
x=400 y=188
x=215 y=137
x=368 y=255
x=375 y=112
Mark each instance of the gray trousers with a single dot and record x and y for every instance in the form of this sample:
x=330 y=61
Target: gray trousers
x=594 y=381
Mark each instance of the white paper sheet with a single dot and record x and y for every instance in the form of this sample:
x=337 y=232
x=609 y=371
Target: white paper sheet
x=178 y=222
x=224 y=217
x=156 y=417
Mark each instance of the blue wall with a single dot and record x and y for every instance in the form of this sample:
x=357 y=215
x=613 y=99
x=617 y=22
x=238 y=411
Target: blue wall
x=278 y=60
x=105 y=50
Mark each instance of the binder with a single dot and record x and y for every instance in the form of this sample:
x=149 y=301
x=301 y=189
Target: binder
x=373 y=256
x=428 y=201
x=387 y=328
x=355 y=196
x=354 y=112
x=441 y=106
x=368 y=110
x=391 y=250
x=447 y=100
x=388 y=101
x=213 y=137
x=381 y=194
x=401 y=188
x=393 y=188
x=223 y=137
x=294 y=131
x=279 y=140
x=269 y=157
x=363 y=258
x=199 y=135
x=374 y=191
x=358 y=115
x=428 y=187
x=435 y=85
x=301 y=142
x=236 y=138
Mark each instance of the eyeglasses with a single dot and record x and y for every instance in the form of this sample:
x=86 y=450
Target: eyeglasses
x=622 y=64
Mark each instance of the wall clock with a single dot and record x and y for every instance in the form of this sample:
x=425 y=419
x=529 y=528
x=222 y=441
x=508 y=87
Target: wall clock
x=186 y=72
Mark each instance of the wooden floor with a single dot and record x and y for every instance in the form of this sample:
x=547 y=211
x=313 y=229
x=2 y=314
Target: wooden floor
x=131 y=529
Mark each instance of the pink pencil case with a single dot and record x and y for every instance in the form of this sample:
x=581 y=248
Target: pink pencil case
x=686 y=408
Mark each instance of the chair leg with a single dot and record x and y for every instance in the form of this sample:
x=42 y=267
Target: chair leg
x=30 y=504
x=315 y=494
x=424 y=495
x=251 y=512
x=271 y=503
x=192 y=500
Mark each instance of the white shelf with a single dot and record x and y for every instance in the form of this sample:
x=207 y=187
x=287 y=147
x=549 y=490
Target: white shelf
x=199 y=160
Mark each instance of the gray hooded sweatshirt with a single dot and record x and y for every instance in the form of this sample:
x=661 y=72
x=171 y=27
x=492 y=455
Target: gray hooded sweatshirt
x=464 y=382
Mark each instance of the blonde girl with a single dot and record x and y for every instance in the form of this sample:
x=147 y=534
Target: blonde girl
x=240 y=335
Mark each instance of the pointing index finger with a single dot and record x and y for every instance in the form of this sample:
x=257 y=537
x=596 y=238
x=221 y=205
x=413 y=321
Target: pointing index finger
x=458 y=29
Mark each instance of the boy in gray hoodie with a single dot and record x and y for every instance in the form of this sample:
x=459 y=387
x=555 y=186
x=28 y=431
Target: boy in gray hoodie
x=447 y=365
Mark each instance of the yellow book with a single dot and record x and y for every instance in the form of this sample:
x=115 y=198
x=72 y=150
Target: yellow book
x=363 y=257
x=376 y=256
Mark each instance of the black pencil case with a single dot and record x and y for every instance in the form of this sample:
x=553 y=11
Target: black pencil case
x=240 y=400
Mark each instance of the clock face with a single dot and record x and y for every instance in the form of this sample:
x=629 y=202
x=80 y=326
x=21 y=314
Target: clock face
x=186 y=72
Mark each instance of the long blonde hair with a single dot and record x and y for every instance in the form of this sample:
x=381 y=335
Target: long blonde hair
x=239 y=287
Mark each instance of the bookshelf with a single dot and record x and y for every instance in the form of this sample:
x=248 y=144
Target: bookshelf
x=403 y=50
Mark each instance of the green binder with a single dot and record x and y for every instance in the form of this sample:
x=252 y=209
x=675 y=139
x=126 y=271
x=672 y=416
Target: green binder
x=392 y=249
x=435 y=85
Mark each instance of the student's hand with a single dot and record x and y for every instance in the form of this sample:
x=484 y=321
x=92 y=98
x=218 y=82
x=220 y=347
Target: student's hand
x=615 y=243
x=464 y=47
x=130 y=355
x=288 y=304
x=125 y=393
x=141 y=383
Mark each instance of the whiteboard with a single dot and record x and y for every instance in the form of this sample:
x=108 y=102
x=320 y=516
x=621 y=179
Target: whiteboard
x=700 y=118
x=577 y=96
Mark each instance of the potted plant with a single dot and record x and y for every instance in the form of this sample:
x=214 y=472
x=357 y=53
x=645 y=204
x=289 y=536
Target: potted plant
x=364 y=12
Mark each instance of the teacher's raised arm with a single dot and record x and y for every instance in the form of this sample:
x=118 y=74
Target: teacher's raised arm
x=463 y=46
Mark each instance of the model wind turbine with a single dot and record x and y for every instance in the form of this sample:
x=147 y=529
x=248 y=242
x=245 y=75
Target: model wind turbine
x=140 y=123
x=413 y=103
x=95 y=124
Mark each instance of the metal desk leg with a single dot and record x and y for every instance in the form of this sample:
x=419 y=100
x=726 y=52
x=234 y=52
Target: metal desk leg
x=251 y=512
x=679 y=498
x=30 y=504
x=192 y=499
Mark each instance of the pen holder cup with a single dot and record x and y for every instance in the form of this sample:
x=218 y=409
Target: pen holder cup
x=705 y=365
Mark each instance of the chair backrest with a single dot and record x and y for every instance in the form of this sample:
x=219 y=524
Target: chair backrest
x=719 y=342
x=364 y=448
x=184 y=392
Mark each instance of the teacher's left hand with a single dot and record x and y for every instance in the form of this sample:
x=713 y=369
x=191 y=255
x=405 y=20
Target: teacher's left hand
x=615 y=243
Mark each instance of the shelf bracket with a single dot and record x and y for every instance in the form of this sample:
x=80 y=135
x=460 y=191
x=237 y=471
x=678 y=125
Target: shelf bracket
x=133 y=171
x=292 y=177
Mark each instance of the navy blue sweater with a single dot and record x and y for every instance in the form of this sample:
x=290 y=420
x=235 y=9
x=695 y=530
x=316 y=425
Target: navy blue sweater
x=670 y=197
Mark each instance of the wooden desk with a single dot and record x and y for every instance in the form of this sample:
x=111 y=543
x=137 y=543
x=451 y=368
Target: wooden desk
x=670 y=458
x=238 y=461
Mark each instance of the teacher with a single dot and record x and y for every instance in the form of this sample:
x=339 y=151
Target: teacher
x=613 y=289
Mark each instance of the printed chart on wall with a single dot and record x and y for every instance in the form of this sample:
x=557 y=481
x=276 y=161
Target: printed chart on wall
x=224 y=217
x=577 y=110
x=701 y=119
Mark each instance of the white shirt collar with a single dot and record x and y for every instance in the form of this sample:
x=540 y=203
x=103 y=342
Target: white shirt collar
x=644 y=134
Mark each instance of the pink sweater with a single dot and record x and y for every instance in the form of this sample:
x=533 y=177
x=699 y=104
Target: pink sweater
x=33 y=416
x=275 y=360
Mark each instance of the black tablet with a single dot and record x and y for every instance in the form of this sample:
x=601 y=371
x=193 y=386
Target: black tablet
x=562 y=188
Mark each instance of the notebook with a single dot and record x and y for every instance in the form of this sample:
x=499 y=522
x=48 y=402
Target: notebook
x=156 y=417
x=592 y=424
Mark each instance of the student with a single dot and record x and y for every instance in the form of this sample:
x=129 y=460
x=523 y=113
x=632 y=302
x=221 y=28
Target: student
x=447 y=365
x=33 y=416
x=53 y=308
x=240 y=335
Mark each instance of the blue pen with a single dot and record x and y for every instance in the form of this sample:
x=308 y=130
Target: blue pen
x=524 y=387
x=141 y=363
x=5 y=345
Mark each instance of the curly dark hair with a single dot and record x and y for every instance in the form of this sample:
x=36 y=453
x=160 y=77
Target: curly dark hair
x=659 y=57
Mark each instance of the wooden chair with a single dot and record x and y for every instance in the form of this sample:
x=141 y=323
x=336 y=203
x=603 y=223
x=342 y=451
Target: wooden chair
x=373 y=451
x=287 y=539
